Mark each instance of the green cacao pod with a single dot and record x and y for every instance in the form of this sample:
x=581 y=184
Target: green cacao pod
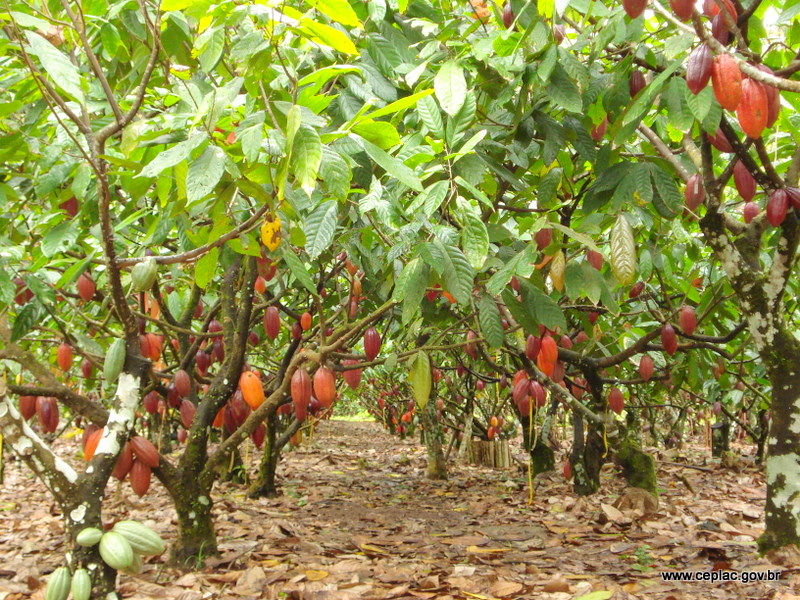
x=143 y=274
x=116 y=551
x=136 y=566
x=81 y=585
x=89 y=536
x=115 y=360
x=58 y=584
x=142 y=539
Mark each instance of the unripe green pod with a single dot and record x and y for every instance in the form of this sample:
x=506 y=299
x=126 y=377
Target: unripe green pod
x=81 y=585
x=115 y=360
x=58 y=585
x=116 y=551
x=89 y=536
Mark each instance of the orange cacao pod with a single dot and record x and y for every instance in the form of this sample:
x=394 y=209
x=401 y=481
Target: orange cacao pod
x=64 y=356
x=252 y=390
x=753 y=109
x=92 y=441
x=305 y=321
x=351 y=376
x=325 y=386
x=726 y=79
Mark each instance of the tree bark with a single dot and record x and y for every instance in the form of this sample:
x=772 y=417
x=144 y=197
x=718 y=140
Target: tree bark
x=434 y=441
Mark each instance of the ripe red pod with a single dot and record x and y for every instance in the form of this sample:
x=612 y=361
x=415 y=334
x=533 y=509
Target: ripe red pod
x=173 y=398
x=616 y=401
x=144 y=451
x=750 y=211
x=636 y=83
x=695 y=193
x=777 y=206
x=566 y=469
x=86 y=287
x=27 y=406
x=578 y=387
x=565 y=342
x=669 y=340
x=720 y=141
x=543 y=238
x=634 y=8
x=252 y=338
x=297 y=331
x=646 y=367
x=150 y=401
x=372 y=343
x=260 y=285
x=182 y=435
x=202 y=360
x=581 y=337
x=305 y=321
x=753 y=109
x=773 y=98
x=301 y=393
x=214 y=326
x=258 y=436
x=532 y=347
x=521 y=389
x=324 y=386
x=597 y=132
x=549 y=349
x=480 y=385
x=595 y=259
x=538 y=394
x=183 y=383
x=524 y=406
x=745 y=183
x=140 y=478
x=593 y=316
x=794 y=197
x=240 y=410
x=508 y=14
x=352 y=377
x=64 y=356
x=636 y=290
x=726 y=79
x=187 y=411
x=682 y=8
x=687 y=319
x=70 y=206
x=124 y=462
x=698 y=69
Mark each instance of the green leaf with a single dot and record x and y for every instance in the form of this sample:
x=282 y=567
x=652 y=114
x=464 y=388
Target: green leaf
x=563 y=91
x=59 y=239
x=27 y=317
x=299 y=270
x=575 y=235
x=335 y=172
x=421 y=381
x=306 y=157
x=521 y=312
x=490 y=321
x=205 y=173
x=429 y=200
x=574 y=279
x=320 y=228
x=474 y=239
x=667 y=200
x=450 y=87
x=206 y=267
x=392 y=166
x=337 y=10
x=381 y=133
x=458 y=273
x=170 y=158
x=430 y=116
x=547 y=311
x=327 y=36
x=410 y=287
x=399 y=105
x=56 y=64
x=498 y=282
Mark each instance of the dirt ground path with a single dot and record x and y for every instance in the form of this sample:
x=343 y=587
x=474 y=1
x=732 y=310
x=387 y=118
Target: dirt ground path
x=357 y=521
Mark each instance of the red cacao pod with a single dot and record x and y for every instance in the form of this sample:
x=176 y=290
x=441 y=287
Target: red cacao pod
x=297 y=331
x=646 y=367
x=566 y=469
x=140 y=477
x=753 y=109
x=720 y=141
x=549 y=349
x=682 y=8
x=695 y=192
x=687 y=319
x=260 y=285
x=305 y=321
x=86 y=287
x=187 y=411
x=773 y=97
x=372 y=343
x=352 y=377
x=144 y=451
x=301 y=393
x=636 y=290
x=470 y=347
x=64 y=356
x=272 y=322
x=777 y=206
x=636 y=82
x=202 y=361
x=538 y=394
x=726 y=79
x=616 y=401
x=532 y=346
x=324 y=386
x=597 y=133
x=520 y=390
x=87 y=368
x=124 y=462
x=750 y=211
x=508 y=15
x=565 y=342
x=258 y=436
x=27 y=406
x=183 y=383
x=745 y=183
x=634 y=8
x=698 y=68
x=543 y=237
x=669 y=340
x=150 y=401
x=595 y=259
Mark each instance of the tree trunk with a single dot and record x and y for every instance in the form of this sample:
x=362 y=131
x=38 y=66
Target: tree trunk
x=85 y=512
x=264 y=484
x=782 y=511
x=196 y=536
x=434 y=441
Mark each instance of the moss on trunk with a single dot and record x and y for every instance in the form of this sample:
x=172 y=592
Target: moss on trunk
x=638 y=467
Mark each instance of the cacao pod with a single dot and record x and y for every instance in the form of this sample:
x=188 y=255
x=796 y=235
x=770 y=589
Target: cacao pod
x=140 y=478
x=508 y=15
x=64 y=356
x=636 y=290
x=92 y=441
x=646 y=367
x=202 y=361
x=352 y=376
x=183 y=383
x=47 y=412
x=688 y=319
x=305 y=321
x=520 y=390
x=115 y=550
x=745 y=183
x=252 y=390
x=89 y=536
x=543 y=238
x=87 y=368
x=636 y=83
x=27 y=407
x=372 y=343
x=753 y=109
x=750 y=211
x=777 y=206
x=142 y=539
x=794 y=197
x=720 y=30
x=187 y=411
x=124 y=462
x=470 y=348
x=538 y=393
x=324 y=386
x=545 y=366
x=58 y=585
x=81 y=585
x=114 y=361
x=144 y=451
x=86 y=287
x=532 y=346
x=720 y=141
x=143 y=274
x=595 y=259
x=260 y=285
x=566 y=470
x=297 y=331
x=726 y=79
x=616 y=401
x=565 y=342
x=549 y=349
x=669 y=340
x=150 y=402
x=258 y=436
x=698 y=69
x=301 y=393
x=272 y=322
x=773 y=97
x=240 y=410
x=695 y=192
x=597 y=133
x=682 y=8
x=634 y=8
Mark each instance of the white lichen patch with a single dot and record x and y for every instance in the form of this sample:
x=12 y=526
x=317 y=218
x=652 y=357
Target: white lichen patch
x=121 y=418
x=785 y=494
x=203 y=500
x=77 y=514
x=794 y=419
x=68 y=472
